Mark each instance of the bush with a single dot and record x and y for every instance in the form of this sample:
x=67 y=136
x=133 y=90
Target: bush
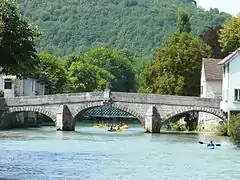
x=177 y=126
x=222 y=129
x=234 y=129
x=1 y=93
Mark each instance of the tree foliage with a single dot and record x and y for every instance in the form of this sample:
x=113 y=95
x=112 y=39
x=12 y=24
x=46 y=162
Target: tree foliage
x=51 y=73
x=230 y=35
x=137 y=25
x=210 y=36
x=99 y=67
x=234 y=128
x=17 y=42
x=84 y=77
x=1 y=93
x=176 y=69
x=117 y=63
x=184 y=22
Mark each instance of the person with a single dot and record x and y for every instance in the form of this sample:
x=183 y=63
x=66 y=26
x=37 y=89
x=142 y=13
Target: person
x=211 y=143
x=111 y=128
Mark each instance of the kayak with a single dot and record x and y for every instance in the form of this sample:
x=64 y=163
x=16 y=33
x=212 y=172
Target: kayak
x=124 y=127
x=115 y=130
x=209 y=146
x=99 y=126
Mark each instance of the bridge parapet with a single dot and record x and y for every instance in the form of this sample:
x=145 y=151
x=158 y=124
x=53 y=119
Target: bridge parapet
x=165 y=99
x=54 y=99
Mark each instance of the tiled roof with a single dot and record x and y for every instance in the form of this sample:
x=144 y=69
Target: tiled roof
x=228 y=58
x=212 y=70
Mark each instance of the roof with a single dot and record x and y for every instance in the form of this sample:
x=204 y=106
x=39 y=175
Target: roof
x=212 y=70
x=229 y=57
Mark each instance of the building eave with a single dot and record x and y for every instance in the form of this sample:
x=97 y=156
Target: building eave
x=229 y=57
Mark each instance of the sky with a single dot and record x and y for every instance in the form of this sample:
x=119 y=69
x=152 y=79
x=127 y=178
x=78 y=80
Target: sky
x=229 y=6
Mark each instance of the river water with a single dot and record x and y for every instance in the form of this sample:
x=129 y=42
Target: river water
x=94 y=154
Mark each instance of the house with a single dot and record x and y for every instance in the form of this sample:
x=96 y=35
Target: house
x=211 y=87
x=211 y=79
x=230 y=103
x=14 y=87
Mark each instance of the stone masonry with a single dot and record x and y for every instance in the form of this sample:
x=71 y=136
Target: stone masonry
x=152 y=110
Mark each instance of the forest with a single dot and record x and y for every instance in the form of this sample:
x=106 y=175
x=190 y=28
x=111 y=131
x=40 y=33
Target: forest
x=139 y=26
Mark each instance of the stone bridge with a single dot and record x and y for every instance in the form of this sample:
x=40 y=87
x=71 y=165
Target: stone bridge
x=152 y=110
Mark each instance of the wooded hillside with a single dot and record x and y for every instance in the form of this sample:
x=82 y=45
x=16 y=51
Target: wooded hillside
x=75 y=26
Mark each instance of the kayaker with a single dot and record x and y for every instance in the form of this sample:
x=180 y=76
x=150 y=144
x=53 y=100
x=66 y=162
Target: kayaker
x=111 y=128
x=211 y=143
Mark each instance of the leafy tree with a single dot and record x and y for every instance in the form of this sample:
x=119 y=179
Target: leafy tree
x=177 y=67
x=52 y=73
x=1 y=93
x=184 y=22
x=210 y=36
x=139 y=65
x=222 y=129
x=117 y=63
x=17 y=42
x=69 y=60
x=86 y=77
x=230 y=35
x=234 y=129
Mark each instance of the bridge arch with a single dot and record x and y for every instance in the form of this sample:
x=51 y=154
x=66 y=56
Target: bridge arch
x=31 y=109
x=216 y=112
x=99 y=104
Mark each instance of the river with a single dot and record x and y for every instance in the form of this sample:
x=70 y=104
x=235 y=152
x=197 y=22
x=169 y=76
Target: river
x=94 y=154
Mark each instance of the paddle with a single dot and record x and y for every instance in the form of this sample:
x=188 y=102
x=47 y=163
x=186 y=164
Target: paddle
x=200 y=142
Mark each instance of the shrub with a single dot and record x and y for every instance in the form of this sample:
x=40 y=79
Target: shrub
x=234 y=129
x=222 y=129
x=177 y=126
x=1 y=93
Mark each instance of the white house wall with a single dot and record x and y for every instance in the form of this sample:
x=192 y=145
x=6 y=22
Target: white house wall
x=210 y=89
x=8 y=93
x=213 y=89
x=203 y=83
x=29 y=87
x=225 y=91
x=234 y=82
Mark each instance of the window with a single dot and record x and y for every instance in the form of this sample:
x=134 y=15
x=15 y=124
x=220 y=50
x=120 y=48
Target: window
x=201 y=90
x=8 y=85
x=237 y=95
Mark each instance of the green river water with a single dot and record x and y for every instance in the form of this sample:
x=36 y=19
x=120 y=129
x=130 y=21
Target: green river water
x=94 y=154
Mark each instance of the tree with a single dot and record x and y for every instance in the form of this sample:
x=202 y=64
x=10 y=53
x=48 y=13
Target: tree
x=17 y=42
x=52 y=73
x=230 y=35
x=234 y=129
x=210 y=36
x=183 y=22
x=1 y=93
x=69 y=60
x=176 y=69
x=85 y=77
x=117 y=63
